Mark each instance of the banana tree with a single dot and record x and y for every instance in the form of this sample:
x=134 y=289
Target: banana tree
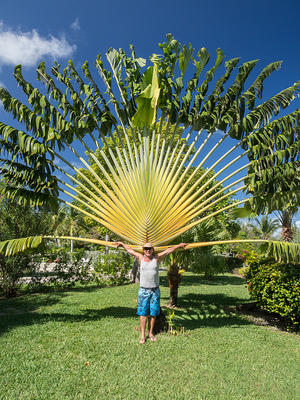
x=148 y=194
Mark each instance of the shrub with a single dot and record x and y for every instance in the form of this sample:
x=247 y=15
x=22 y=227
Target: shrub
x=11 y=270
x=209 y=265
x=233 y=263
x=18 y=221
x=61 y=269
x=276 y=287
x=113 y=268
x=243 y=271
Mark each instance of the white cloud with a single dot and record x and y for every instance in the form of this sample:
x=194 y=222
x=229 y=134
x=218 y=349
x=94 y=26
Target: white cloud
x=297 y=223
x=27 y=48
x=75 y=25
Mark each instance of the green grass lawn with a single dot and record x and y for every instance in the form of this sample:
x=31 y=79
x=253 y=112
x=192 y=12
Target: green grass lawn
x=83 y=344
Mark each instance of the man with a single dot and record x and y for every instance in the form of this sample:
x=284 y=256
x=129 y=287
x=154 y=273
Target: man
x=149 y=292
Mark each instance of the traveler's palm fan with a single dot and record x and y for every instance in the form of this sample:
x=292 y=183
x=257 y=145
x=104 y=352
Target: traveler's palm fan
x=146 y=186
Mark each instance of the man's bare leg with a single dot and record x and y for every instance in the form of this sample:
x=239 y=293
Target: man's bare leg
x=143 y=321
x=152 y=322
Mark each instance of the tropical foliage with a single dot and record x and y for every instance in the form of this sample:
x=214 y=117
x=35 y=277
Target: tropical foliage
x=145 y=191
x=276 y=287
x=264 y=227
x=17 y=221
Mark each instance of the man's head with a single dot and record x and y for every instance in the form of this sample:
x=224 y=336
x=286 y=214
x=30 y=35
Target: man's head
x=148 y=248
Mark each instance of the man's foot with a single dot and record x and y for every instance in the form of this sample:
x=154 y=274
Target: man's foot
x=142 y=341
x=152 y=338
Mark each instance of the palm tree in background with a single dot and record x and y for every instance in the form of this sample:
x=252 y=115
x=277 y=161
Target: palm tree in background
x=71 y=223
x=285 y=218
x=265 y=227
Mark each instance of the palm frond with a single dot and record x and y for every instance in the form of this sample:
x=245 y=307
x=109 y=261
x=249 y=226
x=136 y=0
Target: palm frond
x=285 y=252
x=14 y=246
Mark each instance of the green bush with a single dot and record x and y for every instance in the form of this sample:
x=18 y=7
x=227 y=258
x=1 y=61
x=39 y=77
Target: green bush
x=243 y=271
x=61 y=269
x=11 y=270
x=18 y=221
x=113 y=268
x=209 y=265
x=276 y=287
x=233 y=263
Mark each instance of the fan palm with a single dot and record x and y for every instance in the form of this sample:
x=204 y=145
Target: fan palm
x=264 y=227
x=148 y=193
x=71 y=223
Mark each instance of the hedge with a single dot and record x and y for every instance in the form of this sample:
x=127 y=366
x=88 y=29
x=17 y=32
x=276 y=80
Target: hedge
x=276 y=287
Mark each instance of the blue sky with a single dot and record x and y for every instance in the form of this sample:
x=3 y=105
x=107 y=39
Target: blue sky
x=33 y=31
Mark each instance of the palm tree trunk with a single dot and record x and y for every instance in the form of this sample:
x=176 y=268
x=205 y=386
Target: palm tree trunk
x=173 y=300
x=174 y=278
x=287 y=232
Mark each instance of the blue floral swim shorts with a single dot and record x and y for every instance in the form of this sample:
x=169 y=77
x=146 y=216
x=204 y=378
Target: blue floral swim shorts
x=149 y=302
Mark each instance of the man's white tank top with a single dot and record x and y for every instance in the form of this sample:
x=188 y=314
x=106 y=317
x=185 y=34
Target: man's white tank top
x=149 y=277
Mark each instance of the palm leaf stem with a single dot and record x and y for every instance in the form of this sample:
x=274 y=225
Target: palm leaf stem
x=158 y=141
x=125 y=197
x=177 y=195
x=105 y=215
x=113 y=213
x=190 y=194
x=185 y=215
x=176 y=232
x=191 y=211
x=163 y=145
x=187 y=154
x=130 y=194
x=219 y=160
x=221 y=190
x=113 y=227
x=114 y=206
x=281 y=251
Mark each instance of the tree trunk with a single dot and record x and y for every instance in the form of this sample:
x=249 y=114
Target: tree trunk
x=135 y=272
x=287 y=233
x=174 y=280
x=173 y=295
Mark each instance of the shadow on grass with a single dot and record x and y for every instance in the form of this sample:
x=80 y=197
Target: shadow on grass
x=197 y=280
x=18 y=317
x=195 y=310
x=222 y=280
x=207 y=310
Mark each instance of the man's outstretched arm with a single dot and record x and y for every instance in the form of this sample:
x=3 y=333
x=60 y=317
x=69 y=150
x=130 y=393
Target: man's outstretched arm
x=129 y=250
x=170 y=250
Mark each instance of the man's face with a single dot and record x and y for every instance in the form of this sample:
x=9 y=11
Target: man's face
x=148 y=251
